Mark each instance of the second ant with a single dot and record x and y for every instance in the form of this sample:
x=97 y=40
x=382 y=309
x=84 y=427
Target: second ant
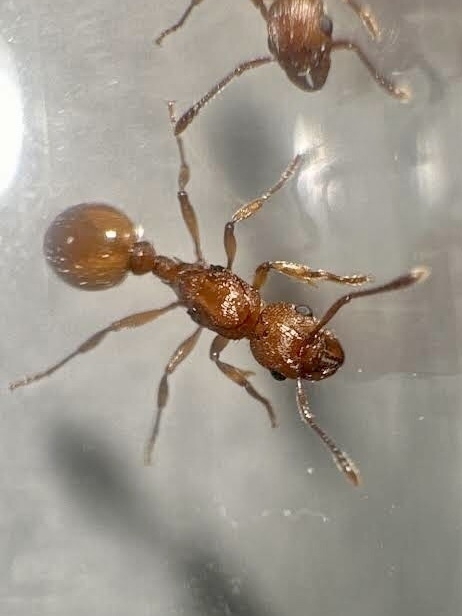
x=94 y=246
x=300 y=41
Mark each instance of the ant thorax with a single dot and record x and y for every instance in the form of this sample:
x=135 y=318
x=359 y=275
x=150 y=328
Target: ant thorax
x=218 y=299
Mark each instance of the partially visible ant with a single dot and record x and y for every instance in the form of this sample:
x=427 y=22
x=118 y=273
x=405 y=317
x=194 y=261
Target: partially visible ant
x=300 y=40
x=94 y=246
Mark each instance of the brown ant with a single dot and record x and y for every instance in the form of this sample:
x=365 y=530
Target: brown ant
x=94 y=246
x=300 y=40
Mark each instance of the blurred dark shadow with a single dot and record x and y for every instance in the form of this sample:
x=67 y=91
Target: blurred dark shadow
x=252 y=157
x=99 y=486
x=245 y=152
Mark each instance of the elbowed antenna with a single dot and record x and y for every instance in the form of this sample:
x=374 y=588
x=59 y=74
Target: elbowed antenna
x=415 y=275
x=342 y=460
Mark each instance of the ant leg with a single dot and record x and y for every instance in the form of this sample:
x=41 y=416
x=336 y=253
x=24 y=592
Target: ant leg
x=260 y=5
x=382 y=81
x=418 y=274
x=134 y=320
x=179 y=355
x=176 y=26
x=303 y=273
x=251 y=208
x=238 y=376
x=193 y=111
x=366 y=16
x=343 y=462
x=187 y=210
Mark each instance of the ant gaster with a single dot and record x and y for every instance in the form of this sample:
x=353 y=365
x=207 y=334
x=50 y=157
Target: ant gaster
x=94 y=246
x=300 y=40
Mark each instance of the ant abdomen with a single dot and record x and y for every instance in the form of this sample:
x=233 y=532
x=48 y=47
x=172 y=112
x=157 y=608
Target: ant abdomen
x=90 y=245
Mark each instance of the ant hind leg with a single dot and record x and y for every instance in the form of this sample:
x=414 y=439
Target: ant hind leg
x=178 y=356
x=134 y=320
x=238 y=376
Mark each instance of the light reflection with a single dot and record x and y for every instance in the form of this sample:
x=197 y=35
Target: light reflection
x=11 y=118
x=313 y=179
x=431 y=174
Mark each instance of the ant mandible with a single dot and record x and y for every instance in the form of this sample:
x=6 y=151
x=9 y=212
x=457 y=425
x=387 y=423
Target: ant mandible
x=94 y=245
x=300 y=40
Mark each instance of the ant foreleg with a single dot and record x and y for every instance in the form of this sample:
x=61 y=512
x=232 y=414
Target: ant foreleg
x=176 y=26
x=366 y=16
x=193 y=111
x=260 y=5
x=418 y=274
x=382 y=81
x=302 y=273
x=134 y=320
x=341 y=459
x=251 y=208
x=179 y=355
x=187 y=210
x=238 y=376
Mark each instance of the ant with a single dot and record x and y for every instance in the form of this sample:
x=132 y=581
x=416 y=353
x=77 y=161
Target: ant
x=94 y=246
x=300 y=40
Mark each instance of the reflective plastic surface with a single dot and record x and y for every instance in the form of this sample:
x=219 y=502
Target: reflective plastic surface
x=233 y=518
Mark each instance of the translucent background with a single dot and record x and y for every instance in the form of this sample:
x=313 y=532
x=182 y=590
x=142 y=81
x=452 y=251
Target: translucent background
x=233 y=518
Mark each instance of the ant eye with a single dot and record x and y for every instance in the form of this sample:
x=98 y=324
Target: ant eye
x=192 y=312
x=326 y=25
x=277 y=375
x=304 y=311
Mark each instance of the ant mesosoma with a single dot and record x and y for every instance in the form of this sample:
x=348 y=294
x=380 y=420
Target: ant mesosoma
x=94 y=246
x=300 y=40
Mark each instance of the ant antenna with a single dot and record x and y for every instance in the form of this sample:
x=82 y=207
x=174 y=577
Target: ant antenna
x=417 y=274
x=343 y=462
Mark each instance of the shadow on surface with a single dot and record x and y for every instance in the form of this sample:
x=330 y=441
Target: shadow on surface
x=101 y=490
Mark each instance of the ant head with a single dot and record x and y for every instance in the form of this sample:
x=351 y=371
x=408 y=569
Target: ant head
x=300 y=37
x=282 y=343
x=93 y=246
x=321 y=356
